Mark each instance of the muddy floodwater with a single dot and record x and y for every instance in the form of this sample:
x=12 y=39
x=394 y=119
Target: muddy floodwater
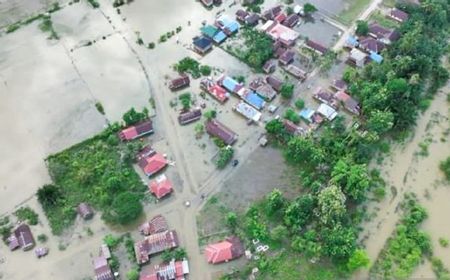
x=407 y=171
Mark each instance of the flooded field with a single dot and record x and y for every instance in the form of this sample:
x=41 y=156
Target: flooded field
x=319 y=31
x=406 y=171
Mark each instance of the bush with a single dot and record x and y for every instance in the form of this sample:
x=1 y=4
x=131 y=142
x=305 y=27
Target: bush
x=185 y=100
x=133 y=274
x=211 y=114
x=188 y=65
x=27 y=214
x=224 y=157
x=292 y=115
x=111 y=241
x=445 y=167
x=205 y=70
x=100 y=108
x=94 y=3
x=443 y=242
x=132 y=116
x=300 y=104
x=42 y=238
x=151 y=45
x=219 y=142
x=287 y=91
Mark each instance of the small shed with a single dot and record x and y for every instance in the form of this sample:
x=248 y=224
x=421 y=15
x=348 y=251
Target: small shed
x=85 y=211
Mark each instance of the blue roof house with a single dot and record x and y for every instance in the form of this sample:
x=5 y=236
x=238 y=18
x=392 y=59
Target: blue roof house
x=219 y=37
x=307 y=114
x=351 y=42
x=231 y=84
x=376 y=57
x=254 y=100
x=202 y=44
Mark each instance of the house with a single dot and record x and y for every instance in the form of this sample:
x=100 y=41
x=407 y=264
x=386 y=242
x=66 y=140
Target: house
x=229 y=249
x=215 y=90
x=370 y=45
x=85 y=211
x=174 y=270
x=102 y=269
x=266 y=92
x=256 y=83
x=207 y=3
x=154 y=244
x=227 y=25
x=219 y=37
x=279 y=51
x=230 y=84
x=219 y=130
x=269 y=66
x=280 y=17
x=241 y=15
x=327 y=111
x=296 y=72
x=202 y=44
x=252 y=19
x=292 y=128
x=287 y=57
x=21 y=238
x=275 y=83
x=375 y=57
x=316 y=47
x=151 y=165
x=145 y=152
x=138 y=130
x=382 y=34
x=277 y=31
x=190 y=116
x=357 y=58
x=326 y=97
x=209 y=31
x=398 y=15
x=291 y=20
x=247 y=111
x=307 y=114
x=252 y=98
x=155 y=225
x=160 y=186
x=179 y=82
x=271 y=13
x=351 y=42
x=348 y=102
x=104 y=251
x=339 y=85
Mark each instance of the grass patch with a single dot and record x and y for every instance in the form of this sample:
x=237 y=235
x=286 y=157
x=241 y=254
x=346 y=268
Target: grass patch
x=355 y=7
x=389 y=3
x=95 y=171
x=383 y=20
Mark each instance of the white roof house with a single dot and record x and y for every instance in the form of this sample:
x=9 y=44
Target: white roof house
x=327 y=111
x=248 y=111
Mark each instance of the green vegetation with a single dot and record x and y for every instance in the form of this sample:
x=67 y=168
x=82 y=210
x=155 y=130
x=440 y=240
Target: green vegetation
x=193 y=67
x=257 y=48
x=151 y=45
x=327 y=61
x=406 y=248
x=299 y=104
x=177 y=254
x=287 y=90
x=118 y=3
x=133 y=274
x=441 y=272
x=132 y=116
x=185 y=100
x=291 y=115
x=443 y=242
x=224 y=157
x=354 y=8
x=309 y=9
x=94 y=3
x=47 y=26
x=28 y=215
x=211 y=114
x=5 y=228
x=95 y=172
x=362 y=28
x=219 y=142
x=42 y=238
x=205 y=70
x=445 y=167
x=99 y=108
x=383 y=20
x=253 y=6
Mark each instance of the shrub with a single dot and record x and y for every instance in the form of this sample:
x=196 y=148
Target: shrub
x=211 y=114
x=111 y=241
x=219 y=142
x=189 y=65
x=443 y=242
x=205 y=70
x=132 y=116
x=42 y=238
x=151 y=45
x=125 y=208
x=94 y=3
x=100 y=108
x=292 y=115
x=287 y=90
x=224 y=157
x=445 y=167
x=133 y=274
x=300 y=104
x=185 y=100
x=27 y=214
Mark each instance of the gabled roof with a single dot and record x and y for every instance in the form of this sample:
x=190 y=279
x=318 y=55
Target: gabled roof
x=229 y=249
x=24 y=236
x=155 y=225
x=241 y=14
x=307 y=114
x=153 y=164
x=218 y=92
x=190 y=116
x=136 y=131
x=266 y=92
x=230 y=84
x=252 y=19
x=327 y=111
x=326 y=97
x=379 y=32
x=253 y=99
x=349 y=103
x=202 y=43
x=316 y=47
x=398 y=15
x=102 y=269
x=248 y=111
x=271 y=13
x=376 y=57
x=155 y=243
x=217 y=129
x=370 y=44
x=275 y=83
x=179 y=82
x=291 y=20
x=339 y=84
x=219 y=37
x=174 y=270
x=85 y=210
x=209 y=30
x=161 y=186
x=287 y=57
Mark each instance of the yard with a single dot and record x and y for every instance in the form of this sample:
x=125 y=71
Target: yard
x=95 y=171
x=352 y=10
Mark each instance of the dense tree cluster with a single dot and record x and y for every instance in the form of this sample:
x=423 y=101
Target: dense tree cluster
x=258 y=48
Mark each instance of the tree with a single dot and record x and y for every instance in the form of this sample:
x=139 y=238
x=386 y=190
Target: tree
x=287 y=90
x=185 y=99
x=309 y=8
x=132 y=116
x=111 y=241
x=308 y=244
x=275 y=127
x=291 y=115
x=275 y=201
x=331 y=205
x=49 y=195
x=133 y=274
x=224 y=157
x=445 y=167
x=279 y=233
x=211 y=114
x=300 y=104
x=205 y=70
x=362 y=28
x=380 y=121
x=352 y=178
x=299 y=212
x=304 y=151
x=125 y=208
x=358 y=259
x=339 y=242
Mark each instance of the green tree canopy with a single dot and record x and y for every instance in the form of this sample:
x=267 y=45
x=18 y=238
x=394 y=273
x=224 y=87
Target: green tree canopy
x=125 y=208
x=331 y=205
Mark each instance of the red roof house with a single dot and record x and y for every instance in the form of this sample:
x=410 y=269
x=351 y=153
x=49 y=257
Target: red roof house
x=190 y=116
x=151 y=165
x=180 y=82
x=136 y=131
x=217 y=129
x=224 y=251
x=154 y=244
x=155 y=225
x=215 y=90
x=161 y=186
x=174 y=270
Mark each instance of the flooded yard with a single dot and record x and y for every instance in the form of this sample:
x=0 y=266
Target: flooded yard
x=319 y=31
